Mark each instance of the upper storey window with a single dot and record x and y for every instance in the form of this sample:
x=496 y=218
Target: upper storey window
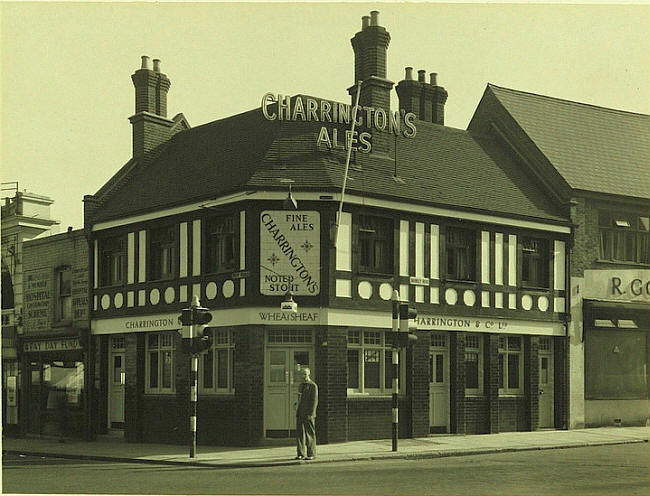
x=534 y=263
x=220 y=244
x=162 y=253
x=624 y=237
x=375 y=244
x=112 y=261
x=63 y=294
x=461 y=254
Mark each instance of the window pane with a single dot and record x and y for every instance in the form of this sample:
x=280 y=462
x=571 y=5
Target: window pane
x=644 y=223
x=353 y=369
x=153 y=369
x=117 y=369
x=513 y=371
x=502 y=371
x=514 y=343
x=471 y=370
x=644 y=249
x=208 y=370
x=152 y=341
x=543 y=372
x=606 y=241
x=167 y=369
x=371 y=368
x=222 y=369
x=440 y=371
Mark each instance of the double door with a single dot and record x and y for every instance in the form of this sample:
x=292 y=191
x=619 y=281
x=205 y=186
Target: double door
x=281 y=385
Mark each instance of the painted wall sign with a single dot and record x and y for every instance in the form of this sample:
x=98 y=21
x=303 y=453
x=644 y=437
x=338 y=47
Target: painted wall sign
x=289 y=252
x=12 y=390
x=481 y=324
x=284 y=108
x=65 y=344
x=624 y=285
x=305 y=317
x=38 y=294
x=80 y=294
x=419 y=281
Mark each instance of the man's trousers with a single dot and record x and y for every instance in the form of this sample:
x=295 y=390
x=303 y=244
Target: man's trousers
x=305 y=436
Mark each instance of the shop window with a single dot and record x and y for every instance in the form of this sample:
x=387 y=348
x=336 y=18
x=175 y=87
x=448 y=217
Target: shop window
x=511 y=365
x=461 y=254
x=370 y=363
x=160 y=362
x=534 y=263
x=220 y=244
x=112 y=261
x=624 y=237
x=616 y=362
x=63 y=294
x=474 y=365
x=216 y=370
x=162 y=253
x=375 y=245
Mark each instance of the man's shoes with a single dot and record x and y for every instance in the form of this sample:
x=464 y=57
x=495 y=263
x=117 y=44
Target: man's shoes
x=299 y=457
x=310 y=458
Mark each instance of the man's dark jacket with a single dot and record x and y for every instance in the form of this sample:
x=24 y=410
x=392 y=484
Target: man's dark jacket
x=308 y=399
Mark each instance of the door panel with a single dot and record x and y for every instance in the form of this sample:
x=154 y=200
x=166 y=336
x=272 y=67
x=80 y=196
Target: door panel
x=439 y=391
x=116 y=390
x=546 y=391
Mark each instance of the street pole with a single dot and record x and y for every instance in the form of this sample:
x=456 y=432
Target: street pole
x=193 y=396
x=395 y=356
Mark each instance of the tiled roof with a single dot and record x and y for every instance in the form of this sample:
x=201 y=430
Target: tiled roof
x=441 y=166
x=594 y=148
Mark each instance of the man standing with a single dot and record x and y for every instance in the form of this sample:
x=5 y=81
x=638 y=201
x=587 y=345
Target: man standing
x=306 y=417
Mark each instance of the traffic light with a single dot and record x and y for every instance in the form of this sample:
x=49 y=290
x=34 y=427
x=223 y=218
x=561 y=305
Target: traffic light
x=407 y=316
x=196 y=319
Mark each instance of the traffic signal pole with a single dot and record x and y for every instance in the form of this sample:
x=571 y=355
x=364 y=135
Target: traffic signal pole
x=193 y=399
x=395 y=356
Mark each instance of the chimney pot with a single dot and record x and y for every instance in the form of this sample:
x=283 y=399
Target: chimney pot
x=365 y=22
x=409 y=73
x=145 y=63
x=374 y=18
x=156 y=65
x=434 y=78
x=421 y=74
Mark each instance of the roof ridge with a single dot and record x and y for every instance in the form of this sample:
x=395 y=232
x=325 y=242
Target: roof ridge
x=573 y=102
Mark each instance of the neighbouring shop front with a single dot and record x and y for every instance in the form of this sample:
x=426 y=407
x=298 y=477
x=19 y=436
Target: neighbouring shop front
x=54 y=390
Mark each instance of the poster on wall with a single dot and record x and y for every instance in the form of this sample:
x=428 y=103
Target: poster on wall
x=289 y=252
x=37 y=298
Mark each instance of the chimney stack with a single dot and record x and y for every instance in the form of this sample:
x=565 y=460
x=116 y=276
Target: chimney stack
x=150 y=124
x=370 y=46
x=425 y=100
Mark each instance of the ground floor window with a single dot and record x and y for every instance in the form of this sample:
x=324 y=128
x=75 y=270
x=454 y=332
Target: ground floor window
x=511 y=365
x=474 y=365
x=370 y=363
x=159 y=362
x=216 y=369
x=616 y=364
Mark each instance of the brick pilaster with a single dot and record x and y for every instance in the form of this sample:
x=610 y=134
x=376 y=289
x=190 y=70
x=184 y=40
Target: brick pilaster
x=491 y=360
x=457 y=381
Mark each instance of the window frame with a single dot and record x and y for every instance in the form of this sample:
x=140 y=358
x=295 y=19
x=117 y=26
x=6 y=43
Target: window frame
x=213 y=352
x=115 y=253
x=160 y=349
x=213 y=240
x=613 y=232
x=452 y=247
x=383 y=348
x=478 y=351
x=368 y=228
x=506 y=352
x=59 y=306
x=540 y=257
x=160 y=239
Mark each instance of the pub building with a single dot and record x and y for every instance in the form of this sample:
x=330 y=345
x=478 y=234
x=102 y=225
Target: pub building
x=54 y=345
x=242 y=211
x=596 y=160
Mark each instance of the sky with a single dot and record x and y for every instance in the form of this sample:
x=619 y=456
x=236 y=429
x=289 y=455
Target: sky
x=66 y=68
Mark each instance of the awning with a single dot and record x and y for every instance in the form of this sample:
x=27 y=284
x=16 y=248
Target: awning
x=615 y=315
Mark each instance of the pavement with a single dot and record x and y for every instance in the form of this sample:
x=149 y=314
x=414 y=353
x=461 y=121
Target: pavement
x=114 y=448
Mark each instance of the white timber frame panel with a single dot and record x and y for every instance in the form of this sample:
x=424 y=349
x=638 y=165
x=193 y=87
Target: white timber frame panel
x=344 y=243
x=142 y=256
x=130 y=258
x=403 y=248
x=434 y=260
x=419 y=260
x=512 y=269
x=183 y=253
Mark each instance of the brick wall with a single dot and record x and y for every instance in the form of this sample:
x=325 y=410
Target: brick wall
x=332 y=380
x=561 y=381
x=457 y=382
x=371 y=418
x=418 y=386
x=134 y=387
x=476 y=415
x=491 y=358
x=249 y=385
x=531 y=380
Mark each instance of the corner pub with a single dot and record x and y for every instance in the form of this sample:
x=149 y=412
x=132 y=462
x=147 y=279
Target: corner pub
x=484 y=266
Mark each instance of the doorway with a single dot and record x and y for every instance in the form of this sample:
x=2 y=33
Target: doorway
x=281 y=383
x=116 y=382
x=439 y=383
x=546 y=383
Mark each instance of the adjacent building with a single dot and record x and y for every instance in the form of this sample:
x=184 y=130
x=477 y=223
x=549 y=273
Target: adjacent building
x=245 y=210
x=597 y=162
x=54 y=346
x=24 y=216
